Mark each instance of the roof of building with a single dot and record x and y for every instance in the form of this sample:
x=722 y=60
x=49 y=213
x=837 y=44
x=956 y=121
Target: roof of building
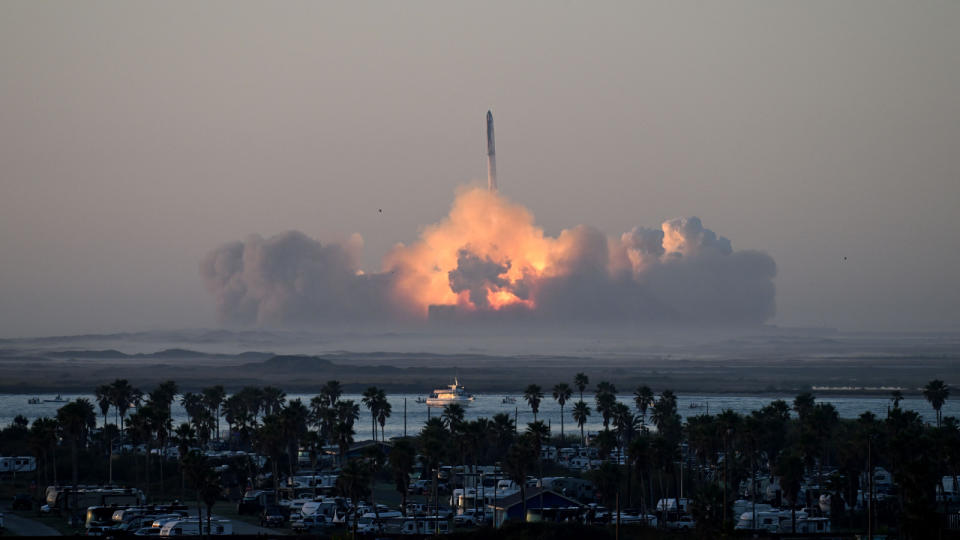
x=515 y=499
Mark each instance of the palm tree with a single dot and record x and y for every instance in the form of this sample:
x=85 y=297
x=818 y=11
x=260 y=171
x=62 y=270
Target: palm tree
x=140 y=430
x=936 y=392
x=348 y=412
x=503 y=432
x=205 y=482
x=102 y=396
x=605 y=396
x=197 y=412
x=164 y=394
x=453 y=415
x=383 y=413
x=354 y=482
x=371 y=398
x=343 y=435
x=520 y=458
x=185 y=438
x=270 y=440
x=803 y=404
x=213 y=397
x=896 y=397
x=123 y=396
x=434 y=445
x=605 y=403
x=790 y=470
x=210 y=490
x=643 y=397
x=638 y=455
x=239 y=416
x=533 y=394
x=323 y=416
x=581 y=412
x=402 y=459
x=561 y=393
x=538 y=432
x=623 y=421
x=331 y=392
x=606 y=386
x=293 y=422
x=43 y=437
x=76 y=418
x=273 y=399
x=580 y=380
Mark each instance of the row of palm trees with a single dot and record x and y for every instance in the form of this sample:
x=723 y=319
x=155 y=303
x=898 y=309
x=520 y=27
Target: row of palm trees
x=727 y=447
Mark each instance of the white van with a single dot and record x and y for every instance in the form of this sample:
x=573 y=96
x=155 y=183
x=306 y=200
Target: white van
x=191 y=527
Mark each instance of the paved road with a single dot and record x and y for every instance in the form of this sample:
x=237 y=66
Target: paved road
x=242 y=527
x=21 y=526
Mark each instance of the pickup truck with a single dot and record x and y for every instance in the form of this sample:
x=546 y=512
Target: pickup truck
x=310 y=523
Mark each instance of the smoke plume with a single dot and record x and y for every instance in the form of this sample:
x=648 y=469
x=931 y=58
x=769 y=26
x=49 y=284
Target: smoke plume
x=487 y=259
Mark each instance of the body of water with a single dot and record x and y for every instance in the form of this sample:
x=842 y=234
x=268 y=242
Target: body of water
x=487 y=405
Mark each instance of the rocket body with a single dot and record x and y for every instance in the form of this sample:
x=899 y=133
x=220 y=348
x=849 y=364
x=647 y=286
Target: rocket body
x=491 y=155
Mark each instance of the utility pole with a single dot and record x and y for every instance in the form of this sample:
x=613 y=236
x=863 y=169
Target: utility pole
x=618 y=514
x=870 y=490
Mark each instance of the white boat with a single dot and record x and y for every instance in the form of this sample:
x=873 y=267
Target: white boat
x=453 y=393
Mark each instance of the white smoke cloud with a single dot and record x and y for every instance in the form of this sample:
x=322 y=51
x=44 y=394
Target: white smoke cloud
x=679 y=273
x=291 y=278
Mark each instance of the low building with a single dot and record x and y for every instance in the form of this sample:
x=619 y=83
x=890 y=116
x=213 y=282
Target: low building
x=556 y=507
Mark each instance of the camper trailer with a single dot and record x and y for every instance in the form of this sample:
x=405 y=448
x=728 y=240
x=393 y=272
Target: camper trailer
x=17 y=464
x=66 y=498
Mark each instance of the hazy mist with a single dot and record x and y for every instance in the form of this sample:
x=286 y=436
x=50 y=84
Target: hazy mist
x=137 y=137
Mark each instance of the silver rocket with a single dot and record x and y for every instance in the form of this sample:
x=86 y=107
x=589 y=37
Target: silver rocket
x=491 y=155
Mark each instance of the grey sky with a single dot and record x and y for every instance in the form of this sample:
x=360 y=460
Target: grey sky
x=135 y=137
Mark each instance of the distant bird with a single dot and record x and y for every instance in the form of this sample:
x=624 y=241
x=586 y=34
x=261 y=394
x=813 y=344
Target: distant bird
x=844 y=258
x=381 y=211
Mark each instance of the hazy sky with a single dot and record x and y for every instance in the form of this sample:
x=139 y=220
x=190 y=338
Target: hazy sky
x=135 y=137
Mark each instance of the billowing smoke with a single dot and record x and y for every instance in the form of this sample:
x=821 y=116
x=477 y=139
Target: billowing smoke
x=291 y=278
x=488 y=260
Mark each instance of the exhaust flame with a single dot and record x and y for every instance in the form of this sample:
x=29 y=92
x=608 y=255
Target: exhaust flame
x=484 y=255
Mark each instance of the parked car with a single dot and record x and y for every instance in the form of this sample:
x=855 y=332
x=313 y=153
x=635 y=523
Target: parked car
x=471 y=517
x=311 y=523
x=254 y=502
x=420 y=487
x=274 y=516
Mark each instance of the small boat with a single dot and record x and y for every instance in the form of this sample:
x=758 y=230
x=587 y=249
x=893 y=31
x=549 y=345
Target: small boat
x=34 y=401
x=453 y=393
x=58 y=399
x=421 y=400
x=509 y=400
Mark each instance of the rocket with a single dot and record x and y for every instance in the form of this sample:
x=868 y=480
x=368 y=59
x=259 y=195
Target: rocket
x=491 y=155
